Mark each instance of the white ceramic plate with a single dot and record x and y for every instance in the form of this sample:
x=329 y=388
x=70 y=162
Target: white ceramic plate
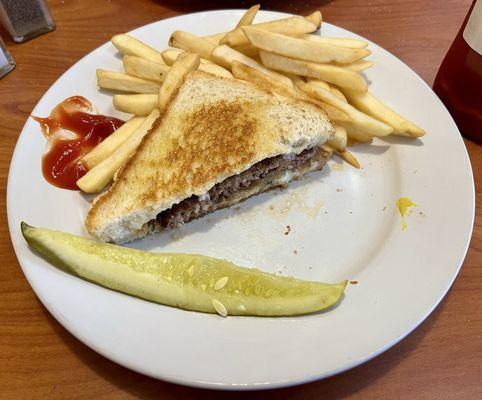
x=344 y=225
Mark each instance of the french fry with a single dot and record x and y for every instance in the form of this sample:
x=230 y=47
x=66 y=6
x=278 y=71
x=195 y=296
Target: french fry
x=333 y=89
x=192 y=43
x=184 y=64
x=216 y=38
x=99 y=176
x=339 y=139
x=343 y=42
x=247 y=73
x=315 y=17
x=328 y=149
x=251 y=74
x=286 y=26
x=225 y=55
x=248 y=50
x=339 y=76
x=142 y=68
x=362 y=127
x=128 y=45
x=125 y=83
x=171 y=55
x=319 y=83
x=349 y=158
x=137 y=104
x=301 y=49
x=294 y=78
x=359 y=66
x=246 y=19
x=215 y=69
x=335 y=115
x=337 y=92
x=372 y=106
x=105 y=148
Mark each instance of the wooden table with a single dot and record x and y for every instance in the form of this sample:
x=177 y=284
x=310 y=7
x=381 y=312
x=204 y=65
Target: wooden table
x=442 y=359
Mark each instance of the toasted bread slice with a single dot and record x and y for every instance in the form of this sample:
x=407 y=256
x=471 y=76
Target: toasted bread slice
x=213 y=129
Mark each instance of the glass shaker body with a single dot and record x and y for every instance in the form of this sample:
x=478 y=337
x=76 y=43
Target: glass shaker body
x=26 y=19
x=6 y=60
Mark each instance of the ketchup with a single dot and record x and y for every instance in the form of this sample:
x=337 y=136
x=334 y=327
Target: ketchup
x=72 y=131
x=459 y=79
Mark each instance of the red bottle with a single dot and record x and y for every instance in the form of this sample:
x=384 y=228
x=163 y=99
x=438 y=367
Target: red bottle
x=459 y=80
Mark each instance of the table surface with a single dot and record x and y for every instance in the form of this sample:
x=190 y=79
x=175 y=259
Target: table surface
x=442 y=359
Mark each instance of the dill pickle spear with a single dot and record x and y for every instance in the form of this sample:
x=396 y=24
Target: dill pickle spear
x=189 y=281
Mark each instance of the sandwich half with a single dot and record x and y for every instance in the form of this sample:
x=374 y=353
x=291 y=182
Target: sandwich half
x=219 y=142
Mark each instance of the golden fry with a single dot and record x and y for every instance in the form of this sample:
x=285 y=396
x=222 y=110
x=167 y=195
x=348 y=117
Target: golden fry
x=225 y=55
x=349 y=158
x=248 y=50
x=335 y=115
x=328 y=149
x=302 y=49
x=105 y=148
x=171 y=55
x=184 y=64
x=216 y=38
x=126 y=83
x=343 y=42
x=337 y=92
x=215 y=69
x=372 y=106
x=361 y=127
x=359 y=66
x=142 y=68
x=317 y=82
x=315 y=17
x=192 y=43
x=246 y=19
x=137 y=104
x=339 y=76
x=286 y=26
x=333 y=89
x=128 y=45
x=250 y=74
x=339 y=139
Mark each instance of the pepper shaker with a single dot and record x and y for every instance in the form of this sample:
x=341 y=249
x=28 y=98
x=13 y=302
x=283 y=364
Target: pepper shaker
x=6 y=60
x=25 y=19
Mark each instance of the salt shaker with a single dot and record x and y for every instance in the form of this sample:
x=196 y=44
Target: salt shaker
x=25 y=19
x=6 y=60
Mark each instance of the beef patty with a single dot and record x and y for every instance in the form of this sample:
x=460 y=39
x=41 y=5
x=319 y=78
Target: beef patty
x=268 y=173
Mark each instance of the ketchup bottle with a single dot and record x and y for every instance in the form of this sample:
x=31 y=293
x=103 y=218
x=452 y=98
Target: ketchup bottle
x=459 y=80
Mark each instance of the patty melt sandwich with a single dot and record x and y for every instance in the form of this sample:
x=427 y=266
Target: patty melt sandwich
x=219 y=142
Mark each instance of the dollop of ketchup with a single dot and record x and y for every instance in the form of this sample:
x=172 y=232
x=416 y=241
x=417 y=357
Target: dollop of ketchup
x=72 y=131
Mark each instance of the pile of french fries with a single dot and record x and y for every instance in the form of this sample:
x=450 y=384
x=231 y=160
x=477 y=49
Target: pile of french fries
x=281 y=55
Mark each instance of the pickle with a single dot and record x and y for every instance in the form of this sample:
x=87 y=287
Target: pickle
x=188 y=281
